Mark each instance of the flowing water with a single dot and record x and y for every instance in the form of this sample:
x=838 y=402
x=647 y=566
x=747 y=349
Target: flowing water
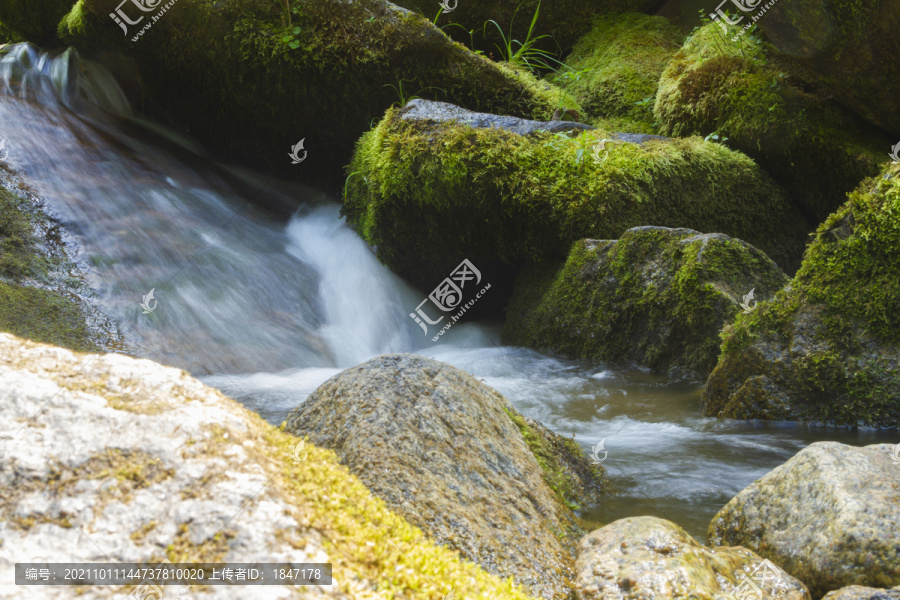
x=267 y=308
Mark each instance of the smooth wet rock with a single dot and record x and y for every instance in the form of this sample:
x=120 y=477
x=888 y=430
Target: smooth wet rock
x=859 y=592
x=827 y=348
x=443 y=112
x=427 y=190
x=829 y=516
x=441 y=448
x=640 y=558
x=109 y=458
x=656 y=297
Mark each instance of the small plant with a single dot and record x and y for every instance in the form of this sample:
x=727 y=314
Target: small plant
x=402 y=98
x=715 y=137
x=524 y=54
x=292 y=39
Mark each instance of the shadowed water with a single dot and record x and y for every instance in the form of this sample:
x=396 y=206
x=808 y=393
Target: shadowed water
x=267 y=308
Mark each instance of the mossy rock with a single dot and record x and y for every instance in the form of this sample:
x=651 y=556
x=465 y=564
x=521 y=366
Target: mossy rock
x=849 y=47
x=656 y=297
x=250 y=85
x=563 y=20
x=426 y=193
x=615 y=68
x=38 y=300
x=32 y=20
x=827 y=349
x=730 y=86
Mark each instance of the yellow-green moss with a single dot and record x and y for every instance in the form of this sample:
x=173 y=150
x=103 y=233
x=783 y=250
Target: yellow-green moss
x=839 y=318
x=656 y=297
x=424 y=192
x=734 y=89
x=566 y=468
x=614 y=69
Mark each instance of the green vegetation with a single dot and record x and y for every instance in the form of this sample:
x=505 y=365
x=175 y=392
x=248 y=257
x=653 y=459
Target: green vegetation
x=734 y=89
x=828 y=348
x=563 y=461
x=614 y=70
x=41 y=315
x=509 y=199
x=240 y=78
x=656 y=297
x=524 y=53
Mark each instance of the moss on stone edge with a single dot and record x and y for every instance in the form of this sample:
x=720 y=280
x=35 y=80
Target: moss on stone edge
x=614 y=69
x=657 y=297
x=568 y=472
x=42 y=315
x=33 y=20
x=224 y=72
x=817 y=150
x=828 y=348
x=423 y=193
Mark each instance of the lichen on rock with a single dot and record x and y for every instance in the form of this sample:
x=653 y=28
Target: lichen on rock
x=656 y=297
x=829 y=516
x=454 y=457
x=84 y=477
x=827 y=349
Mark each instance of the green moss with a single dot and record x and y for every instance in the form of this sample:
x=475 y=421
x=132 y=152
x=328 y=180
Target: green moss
x=614 y=69
x=33 y=20
x=222 y=71
x=423 y=192
x=839 y=318
x=733 y=88
x=44 y=316
x=657 y=297
x=566 y=468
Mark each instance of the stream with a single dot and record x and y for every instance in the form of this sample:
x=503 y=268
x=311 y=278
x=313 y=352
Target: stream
x=266 y=308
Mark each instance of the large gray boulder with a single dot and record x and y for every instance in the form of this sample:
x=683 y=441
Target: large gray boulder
x=639 y=558
x=830 y=516
x=448 y=453
x=107 y=458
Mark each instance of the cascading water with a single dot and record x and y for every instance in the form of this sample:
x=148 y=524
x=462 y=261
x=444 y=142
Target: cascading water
x=267 y=311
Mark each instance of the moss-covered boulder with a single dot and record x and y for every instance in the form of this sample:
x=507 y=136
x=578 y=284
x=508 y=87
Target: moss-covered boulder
x=453 y=457
x=426 y=192
x=656 y=297
x=850 y=48
x=249 y=79
x=614 y=69
x=33 y=20
x=639 y=558
x=563 y=20
x=827 y=349
x=829 y=516
x=42 y=294
x=736 y=90
x=148 y=464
